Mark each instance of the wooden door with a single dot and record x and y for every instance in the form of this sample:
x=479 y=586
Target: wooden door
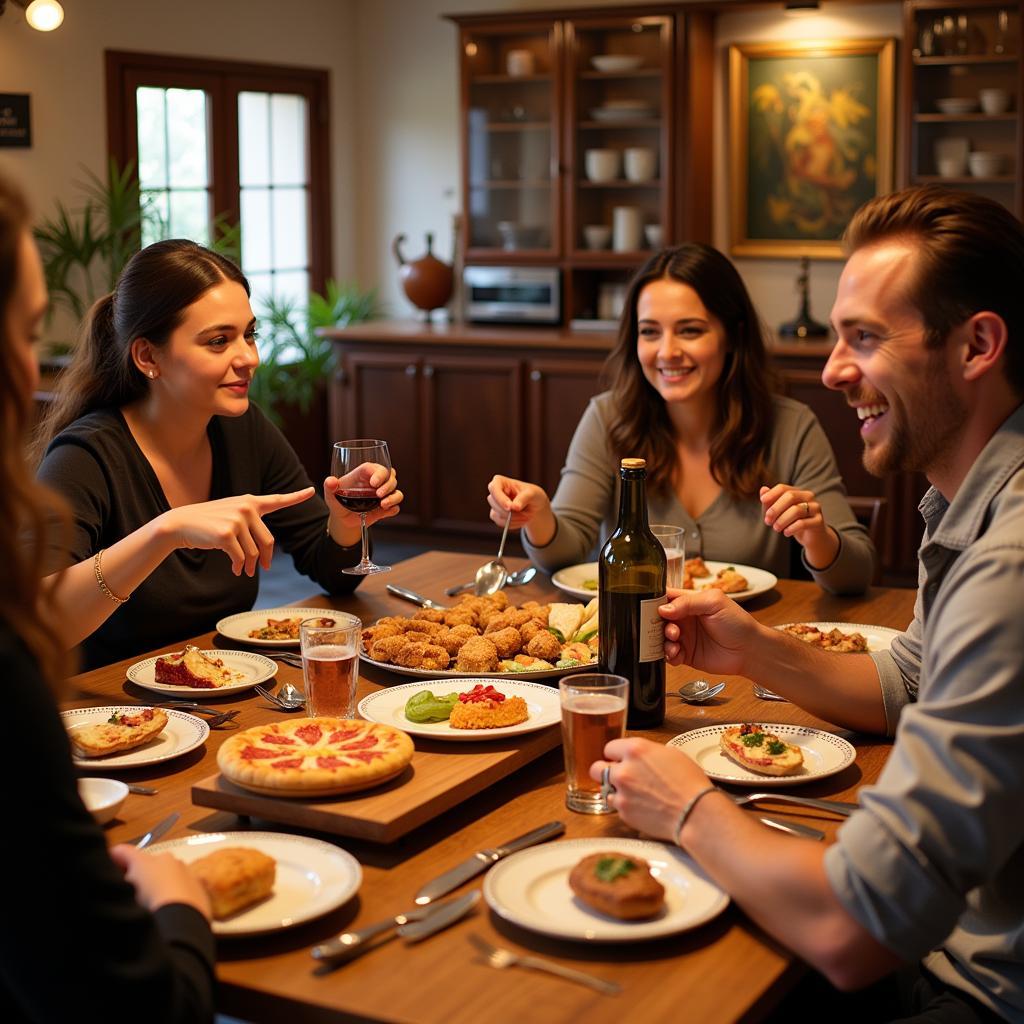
x=557 y=392
x=472 y=412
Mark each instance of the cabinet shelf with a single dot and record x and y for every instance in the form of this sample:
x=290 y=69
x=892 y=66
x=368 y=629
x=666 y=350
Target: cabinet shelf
x=635 y=73
x=637 y=122
x=965 y=58
x=544 y=79
x=975 y=118
x=965 y=179
x=510 y=183
x=518 y=126
x=621 y=183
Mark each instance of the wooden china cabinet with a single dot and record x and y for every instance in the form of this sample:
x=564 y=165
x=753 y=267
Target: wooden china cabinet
x=963 y=83
x=542 y=96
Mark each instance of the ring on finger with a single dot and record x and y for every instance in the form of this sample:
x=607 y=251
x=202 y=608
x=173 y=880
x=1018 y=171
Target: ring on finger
x=807 y=509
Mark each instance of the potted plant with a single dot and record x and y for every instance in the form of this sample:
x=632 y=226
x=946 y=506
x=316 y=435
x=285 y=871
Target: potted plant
x=290 y=384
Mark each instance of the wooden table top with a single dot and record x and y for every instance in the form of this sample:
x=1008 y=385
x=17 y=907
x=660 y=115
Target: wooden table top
x=725 y=970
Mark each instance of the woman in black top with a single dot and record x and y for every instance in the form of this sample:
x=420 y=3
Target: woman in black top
x=76 y=941
x=152 y=441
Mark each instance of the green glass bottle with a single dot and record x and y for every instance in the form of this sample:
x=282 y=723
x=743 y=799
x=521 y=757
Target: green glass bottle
x=631 y=586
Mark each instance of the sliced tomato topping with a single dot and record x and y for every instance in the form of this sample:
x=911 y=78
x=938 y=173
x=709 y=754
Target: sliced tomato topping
x=310 y=734
x=291 y=762
x=252 y=753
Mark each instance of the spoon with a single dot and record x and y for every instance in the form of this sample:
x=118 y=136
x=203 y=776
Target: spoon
x=699 y=691
x=291 y=694
x=490 y=577
x=517 y=579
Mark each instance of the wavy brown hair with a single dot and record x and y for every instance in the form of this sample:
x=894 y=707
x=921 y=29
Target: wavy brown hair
x=27 y=510
x=155 y=288
x=742 y=431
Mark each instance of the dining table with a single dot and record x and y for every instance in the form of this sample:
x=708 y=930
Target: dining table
x=727 y=969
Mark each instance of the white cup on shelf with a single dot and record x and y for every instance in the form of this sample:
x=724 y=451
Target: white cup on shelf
x=602 y=164
x=627 y=228
x=597 y=236
x=640 y=163
x=652 y=232
x=519 y=63
x=994 y=101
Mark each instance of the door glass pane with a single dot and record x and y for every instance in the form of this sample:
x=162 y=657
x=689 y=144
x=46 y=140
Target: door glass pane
x=256 y=238
x=152 y=138
x=190 y=214
x=254 y=138
x=290 y=246
x=288 y=125
x=186 y=135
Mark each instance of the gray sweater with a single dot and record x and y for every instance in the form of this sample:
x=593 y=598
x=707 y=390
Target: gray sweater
x=730 y=529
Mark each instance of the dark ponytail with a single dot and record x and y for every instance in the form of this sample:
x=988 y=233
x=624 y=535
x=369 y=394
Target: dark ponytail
x=155 y=288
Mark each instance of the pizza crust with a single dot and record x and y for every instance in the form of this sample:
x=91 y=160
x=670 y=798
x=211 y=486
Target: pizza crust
x=308 y=757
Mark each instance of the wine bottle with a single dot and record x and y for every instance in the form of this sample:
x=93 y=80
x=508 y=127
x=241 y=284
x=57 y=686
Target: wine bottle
x=631 y=586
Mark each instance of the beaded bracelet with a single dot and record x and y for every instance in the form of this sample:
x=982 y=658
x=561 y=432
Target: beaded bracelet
x=101 y=582
x=688 y=809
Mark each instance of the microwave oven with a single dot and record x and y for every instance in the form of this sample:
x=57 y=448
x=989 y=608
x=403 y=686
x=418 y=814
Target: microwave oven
x=513 y=294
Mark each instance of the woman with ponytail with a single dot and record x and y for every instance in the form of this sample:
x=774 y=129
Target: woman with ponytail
x=152 y=441
x=748 y=475
x=124 y=929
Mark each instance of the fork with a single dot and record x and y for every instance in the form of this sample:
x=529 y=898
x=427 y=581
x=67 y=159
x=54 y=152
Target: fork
x=295 y=705
x=497 y=957
x=834 y=806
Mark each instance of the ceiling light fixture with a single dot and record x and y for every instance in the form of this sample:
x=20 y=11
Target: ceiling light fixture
x=801 y=8
x=42 y=15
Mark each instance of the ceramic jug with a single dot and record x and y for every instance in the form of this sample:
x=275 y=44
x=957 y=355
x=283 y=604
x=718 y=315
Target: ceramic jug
x=427 y=282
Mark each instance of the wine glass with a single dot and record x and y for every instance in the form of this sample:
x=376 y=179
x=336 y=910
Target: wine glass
x=361 y=498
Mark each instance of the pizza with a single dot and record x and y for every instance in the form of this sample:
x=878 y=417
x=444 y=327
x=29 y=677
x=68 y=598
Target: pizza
x=285 y=629
x=121 y=731
x=314 y=756
x=831 y=640
x=759 y=750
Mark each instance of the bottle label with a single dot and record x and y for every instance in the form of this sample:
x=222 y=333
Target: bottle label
x=652 y=629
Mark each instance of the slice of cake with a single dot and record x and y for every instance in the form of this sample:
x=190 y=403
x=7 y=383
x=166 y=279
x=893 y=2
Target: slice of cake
x=234 y=878
x=193 y=667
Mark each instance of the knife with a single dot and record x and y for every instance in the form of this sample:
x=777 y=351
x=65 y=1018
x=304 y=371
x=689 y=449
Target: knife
x=411 y=595
x=413 y=925
x=794 y=828
x=482 y=860
x=156 y=831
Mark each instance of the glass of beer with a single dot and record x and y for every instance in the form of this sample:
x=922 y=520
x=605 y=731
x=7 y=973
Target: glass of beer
x=330 y=664
x=671 y=539
x=593 y=712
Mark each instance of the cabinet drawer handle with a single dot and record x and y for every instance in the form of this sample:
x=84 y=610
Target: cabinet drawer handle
x=536 y=375
x=410 y=370
x=428 y=371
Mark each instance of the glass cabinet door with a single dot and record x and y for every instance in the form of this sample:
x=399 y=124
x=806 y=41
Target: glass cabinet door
x=510 y=85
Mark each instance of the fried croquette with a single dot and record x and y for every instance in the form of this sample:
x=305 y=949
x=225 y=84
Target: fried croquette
x=386 y=648
x=422 y=655
x=477 y=655
x=424 y=626
x=453 y=640
x=460 y=617
x=430 y=614
x=373 y=633
x=545 y=646
x=528 y=630
x=508 y=642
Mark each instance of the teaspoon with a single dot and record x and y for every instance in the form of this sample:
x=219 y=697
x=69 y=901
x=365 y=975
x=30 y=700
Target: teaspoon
x=699 y=691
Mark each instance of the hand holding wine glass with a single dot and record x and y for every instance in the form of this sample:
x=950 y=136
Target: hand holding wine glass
x=365 y=486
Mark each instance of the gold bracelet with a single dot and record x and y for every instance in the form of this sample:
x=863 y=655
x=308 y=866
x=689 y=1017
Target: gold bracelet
x=686 y=811
x=101 y=582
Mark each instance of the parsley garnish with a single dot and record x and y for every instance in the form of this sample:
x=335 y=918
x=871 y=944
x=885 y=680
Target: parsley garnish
x=610 y=868
x=752 y=739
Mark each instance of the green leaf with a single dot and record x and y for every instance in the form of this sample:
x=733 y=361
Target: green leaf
x=608 y=869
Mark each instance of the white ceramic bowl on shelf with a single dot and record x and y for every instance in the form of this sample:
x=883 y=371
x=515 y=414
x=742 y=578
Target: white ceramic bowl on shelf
x=652 y=232
x=602 y=164
x=994 y=101
x=616 y=62
x=597 y=236
x=984 y=164
x=957 y=105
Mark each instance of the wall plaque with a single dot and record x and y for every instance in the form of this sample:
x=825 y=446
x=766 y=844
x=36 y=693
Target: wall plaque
x=15 y=122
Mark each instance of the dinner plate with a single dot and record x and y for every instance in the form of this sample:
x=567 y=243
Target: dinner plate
x=237 y=627
x=433 y=673
x=387 y=707
x=313 y=877
x=254 y=667
x=531 y=889
x=824 y=754
x=182 y=733
x=570 y=580
x=879 y=638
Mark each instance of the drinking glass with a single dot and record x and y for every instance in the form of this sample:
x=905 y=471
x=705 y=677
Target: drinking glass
x=349 y=456
x=671 y=539
x=593 y=712
x=330 y=665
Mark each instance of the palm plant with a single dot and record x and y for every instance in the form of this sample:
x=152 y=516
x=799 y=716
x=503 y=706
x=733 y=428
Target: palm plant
x=295 y=361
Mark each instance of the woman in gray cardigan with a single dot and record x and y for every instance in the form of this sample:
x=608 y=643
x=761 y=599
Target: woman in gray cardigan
x=746 y=473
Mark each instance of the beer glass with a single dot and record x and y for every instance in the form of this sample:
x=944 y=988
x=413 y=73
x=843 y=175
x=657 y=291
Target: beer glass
x=671 y=539
x=593 y=712
x=330 y=665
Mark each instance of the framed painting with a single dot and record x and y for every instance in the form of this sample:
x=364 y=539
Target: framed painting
x=811 y=138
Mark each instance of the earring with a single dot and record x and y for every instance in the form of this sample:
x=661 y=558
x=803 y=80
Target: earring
x=152 y=374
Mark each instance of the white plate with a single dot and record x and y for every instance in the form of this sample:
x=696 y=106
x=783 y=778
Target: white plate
x=254 y=667
x=531 y=889
x=879 y=638
x=181 y=734
x=570 y=579
x=433 y=673
x=957 y=104
x=387 y=707
x=237 y=627
x=824 y=754
x=621 y=113
x=313 y=877
x=616 y=62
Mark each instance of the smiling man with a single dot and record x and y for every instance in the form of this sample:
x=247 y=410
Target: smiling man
x=924 y=884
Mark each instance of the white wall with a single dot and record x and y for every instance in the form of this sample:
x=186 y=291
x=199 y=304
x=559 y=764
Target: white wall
x=64 y=73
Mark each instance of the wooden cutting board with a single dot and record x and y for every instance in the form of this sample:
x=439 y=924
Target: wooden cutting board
x=440 y=776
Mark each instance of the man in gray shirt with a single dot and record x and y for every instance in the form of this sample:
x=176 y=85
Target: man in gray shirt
x=930 y=871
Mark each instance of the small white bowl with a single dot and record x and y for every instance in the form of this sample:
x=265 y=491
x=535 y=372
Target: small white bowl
x=616 y=62
x=652 y=232
x=602 y=164
x=103 y=798
x=984 y=164
x=597 y=236
x=957 y=104
x=994 y=101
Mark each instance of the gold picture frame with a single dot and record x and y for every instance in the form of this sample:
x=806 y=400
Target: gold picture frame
x=811 y=139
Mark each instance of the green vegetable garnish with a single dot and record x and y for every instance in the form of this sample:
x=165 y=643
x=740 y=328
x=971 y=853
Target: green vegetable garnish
x=589 y=584
x=114 y=719
x=567 y=663
x=776 y=747
x=425 y=707
x=610 y=868
x=752 y=739
x=557 y=634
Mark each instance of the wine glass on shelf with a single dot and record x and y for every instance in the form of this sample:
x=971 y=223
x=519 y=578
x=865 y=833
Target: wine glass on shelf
x=360 y=497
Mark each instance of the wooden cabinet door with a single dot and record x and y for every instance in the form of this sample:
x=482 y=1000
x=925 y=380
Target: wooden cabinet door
x=557 y=392
x=472 y=414
x=377 y=394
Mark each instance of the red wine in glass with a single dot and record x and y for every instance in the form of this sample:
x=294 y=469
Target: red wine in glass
x=353 y=463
